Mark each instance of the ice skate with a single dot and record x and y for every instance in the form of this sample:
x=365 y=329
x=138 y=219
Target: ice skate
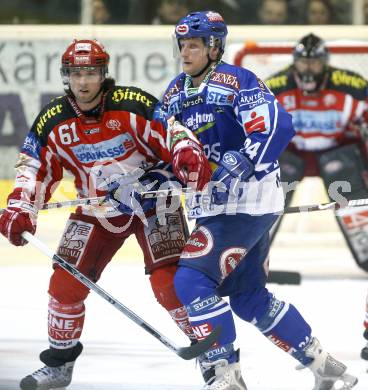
x=220 y=375
x=57 y=372
x=330 y=374
x=47 y=378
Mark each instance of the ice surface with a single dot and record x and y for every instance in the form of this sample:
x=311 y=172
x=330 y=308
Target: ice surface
x=120 y=355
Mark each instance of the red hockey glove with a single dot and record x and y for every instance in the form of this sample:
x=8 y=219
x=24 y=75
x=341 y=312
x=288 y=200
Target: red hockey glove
x=190 y=164
x=17 y=218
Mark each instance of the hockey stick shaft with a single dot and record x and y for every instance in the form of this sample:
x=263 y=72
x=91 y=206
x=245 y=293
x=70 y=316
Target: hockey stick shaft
x=327 y=206
x=287 y=210
x=97 y=201
x=186 y=353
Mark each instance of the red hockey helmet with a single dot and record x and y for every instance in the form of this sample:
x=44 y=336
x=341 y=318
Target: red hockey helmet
x=84 y=54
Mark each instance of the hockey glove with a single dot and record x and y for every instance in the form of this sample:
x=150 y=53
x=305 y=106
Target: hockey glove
x=18 y=217
x=125 y=196
x=233 y=169
x=190 y=164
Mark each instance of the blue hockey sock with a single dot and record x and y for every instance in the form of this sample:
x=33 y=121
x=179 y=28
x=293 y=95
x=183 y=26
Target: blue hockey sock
x=279 y=321
x=283 y=325
x=206 y=310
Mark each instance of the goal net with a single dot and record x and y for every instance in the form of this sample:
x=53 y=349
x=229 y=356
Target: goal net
x=266 y=58
x=308 y=242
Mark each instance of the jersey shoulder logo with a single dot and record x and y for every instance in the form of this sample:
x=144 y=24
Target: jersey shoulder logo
x=48 y=113
x=130 y=94
x=340 y=77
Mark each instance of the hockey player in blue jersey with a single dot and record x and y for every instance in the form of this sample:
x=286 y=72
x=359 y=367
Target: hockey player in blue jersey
x=243 y=130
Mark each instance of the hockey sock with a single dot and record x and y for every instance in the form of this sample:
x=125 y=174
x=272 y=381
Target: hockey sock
x=283 y=325
x=206 y=310
x=65 y=323
x=180 y=316
x=279 y=321
x=162 y=283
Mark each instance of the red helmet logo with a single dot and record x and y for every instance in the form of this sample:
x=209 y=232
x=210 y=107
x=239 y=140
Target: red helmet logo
x=182 y=29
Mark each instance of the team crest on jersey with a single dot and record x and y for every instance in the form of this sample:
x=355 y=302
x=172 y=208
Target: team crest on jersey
x=113 y=124
x=199 y=244
x=329 y=100
x=258 y=120
x=229 y=259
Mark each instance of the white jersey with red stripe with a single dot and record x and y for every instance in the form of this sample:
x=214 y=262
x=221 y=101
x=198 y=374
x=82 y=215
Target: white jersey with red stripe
x=324 y=119
x=126 y=133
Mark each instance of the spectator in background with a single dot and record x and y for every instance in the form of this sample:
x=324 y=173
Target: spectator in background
x=100 y=12
x=273 y=12
x=170 y=11
x=233 y=11
x=320 y=12
x=110 y=11
x=365 y=11
x=40 y=11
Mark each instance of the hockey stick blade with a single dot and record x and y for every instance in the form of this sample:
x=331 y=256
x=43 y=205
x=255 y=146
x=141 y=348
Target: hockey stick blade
x=186 y=353
x=191 y=352
x=284 y=277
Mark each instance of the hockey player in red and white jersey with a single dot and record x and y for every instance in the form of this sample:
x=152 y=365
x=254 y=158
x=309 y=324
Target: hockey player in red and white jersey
x=330 y=114
x=97 y=131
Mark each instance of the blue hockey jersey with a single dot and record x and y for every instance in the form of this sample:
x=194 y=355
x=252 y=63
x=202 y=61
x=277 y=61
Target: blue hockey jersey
x=234 y=110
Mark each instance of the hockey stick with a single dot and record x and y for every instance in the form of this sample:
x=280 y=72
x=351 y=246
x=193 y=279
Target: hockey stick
x=97 y=201
x=287 y=210
x=186 y=353
x=327 y=206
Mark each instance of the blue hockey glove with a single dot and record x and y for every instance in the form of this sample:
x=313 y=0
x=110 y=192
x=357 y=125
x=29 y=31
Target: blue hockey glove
x=124 y=193
x=233 y=165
